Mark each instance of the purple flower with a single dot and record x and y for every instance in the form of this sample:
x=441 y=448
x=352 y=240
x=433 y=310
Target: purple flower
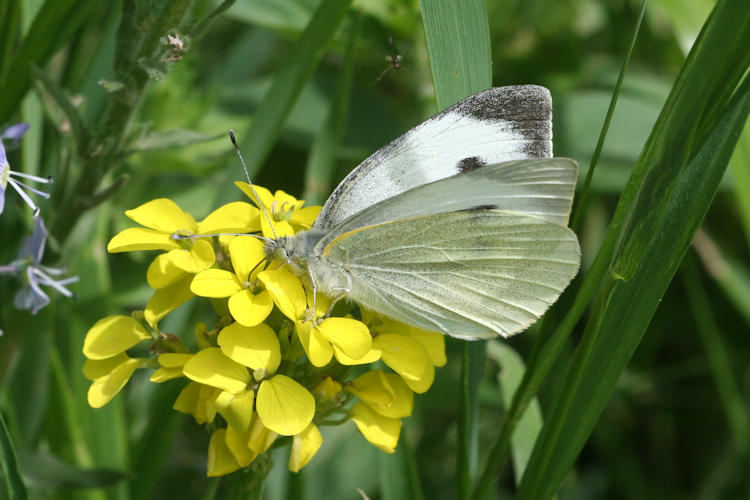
x=29 y=267
x=13 y=135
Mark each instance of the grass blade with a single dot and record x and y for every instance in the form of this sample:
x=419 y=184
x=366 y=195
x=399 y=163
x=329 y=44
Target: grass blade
x=14 y=483
x=549 y=343
x=288 y=82
x=583 y=197
x=458 y=43
x=717 y=355
x=530 y=423
x=665 y=200
x=46 y=35
x=322 y=158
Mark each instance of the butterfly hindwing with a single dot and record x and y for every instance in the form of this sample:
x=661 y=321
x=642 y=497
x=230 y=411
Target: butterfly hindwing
x=469 y=274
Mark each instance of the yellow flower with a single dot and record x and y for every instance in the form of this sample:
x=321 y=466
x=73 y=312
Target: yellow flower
x=171 y=364
x=346 y=338
x=109 y=376
x=286 y=212
x=283 y=405
x=107 y=366
x=304 y=446
x=199 y=401
x=411 y=352
x=113 y=335
x=386 y=393
x=248 y=305
x=381 y=431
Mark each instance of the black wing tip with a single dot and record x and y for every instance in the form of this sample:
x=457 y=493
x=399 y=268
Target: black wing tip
x=515 y=102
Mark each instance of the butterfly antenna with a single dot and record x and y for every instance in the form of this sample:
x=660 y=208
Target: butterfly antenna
x=250 y=183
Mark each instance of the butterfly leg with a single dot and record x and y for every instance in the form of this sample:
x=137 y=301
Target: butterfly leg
x=311 y=312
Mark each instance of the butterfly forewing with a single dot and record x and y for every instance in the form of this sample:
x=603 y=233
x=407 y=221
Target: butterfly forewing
x=542 y=188
x=470 y=274
x=499 y=124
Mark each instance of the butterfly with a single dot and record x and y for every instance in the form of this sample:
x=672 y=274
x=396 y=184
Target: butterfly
x=458 y=226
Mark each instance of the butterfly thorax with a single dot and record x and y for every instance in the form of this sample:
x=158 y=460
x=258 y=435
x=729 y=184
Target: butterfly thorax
x=299 y=252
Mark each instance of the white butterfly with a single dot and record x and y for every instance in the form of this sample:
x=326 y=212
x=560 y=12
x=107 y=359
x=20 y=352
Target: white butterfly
x=440 y=231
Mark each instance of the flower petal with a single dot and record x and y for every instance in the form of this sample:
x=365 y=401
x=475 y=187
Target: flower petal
x=164 y=374
x=235 y=217
x=304 y=446
x=174 y=359
x=372 y=356
x=285 y=406
x=167 y=299
x=211 y=367
x=97 y=368
x=162 y=272
x=253 y=346
x=266 y=198
x=237 y=409
x=198 y=400
x=246 y=252
x=113 y=335
x=408 y=358
x=286 y=290
x=201 y=256
x=303 y=218
x=381 y=431
x=221 y=460
x=403 y=401
x=316 y=346
x=139 y=238
x=237 y=444
x=215 y=283
x=105 y=388
x=348 y=335
x=249 y=309
x=326 y=390
x=373 y=387
x=163 y=215
x=261 y=438
x=433 y=342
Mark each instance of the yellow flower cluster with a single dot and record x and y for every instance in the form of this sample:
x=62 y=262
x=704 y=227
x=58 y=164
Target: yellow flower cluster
x=267 y=375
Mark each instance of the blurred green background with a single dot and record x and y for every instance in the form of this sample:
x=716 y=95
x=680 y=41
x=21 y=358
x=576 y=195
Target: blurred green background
x=676 y=425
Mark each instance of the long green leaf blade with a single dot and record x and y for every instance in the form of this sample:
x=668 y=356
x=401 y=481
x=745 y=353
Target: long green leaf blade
x=665 y=201
x=458 y=43
x=288 y=82
x=13 y=482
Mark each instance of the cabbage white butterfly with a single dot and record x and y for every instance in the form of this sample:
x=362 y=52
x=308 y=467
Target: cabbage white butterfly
x=439 y=230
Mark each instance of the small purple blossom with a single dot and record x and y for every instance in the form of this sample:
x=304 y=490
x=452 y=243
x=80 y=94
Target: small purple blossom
x=13 y=134
x=28 y=266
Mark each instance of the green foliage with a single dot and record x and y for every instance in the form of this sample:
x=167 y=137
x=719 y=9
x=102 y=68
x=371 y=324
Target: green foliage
x=634 y=388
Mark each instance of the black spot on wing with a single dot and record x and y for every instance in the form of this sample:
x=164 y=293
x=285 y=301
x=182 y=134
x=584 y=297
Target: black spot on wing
x=481 y=207
x=469 y=164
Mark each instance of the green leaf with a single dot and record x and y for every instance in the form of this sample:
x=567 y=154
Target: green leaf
x=45 y=37
x=48 y=470
x=740 y=168
x=511 y=372
x=61 y=99
x=290 y=80
x=168 y=139
x=13 y=482
x=322 y=158
x=717 y=355
x=399 y=477
x=458 y=43
x=668 y=195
